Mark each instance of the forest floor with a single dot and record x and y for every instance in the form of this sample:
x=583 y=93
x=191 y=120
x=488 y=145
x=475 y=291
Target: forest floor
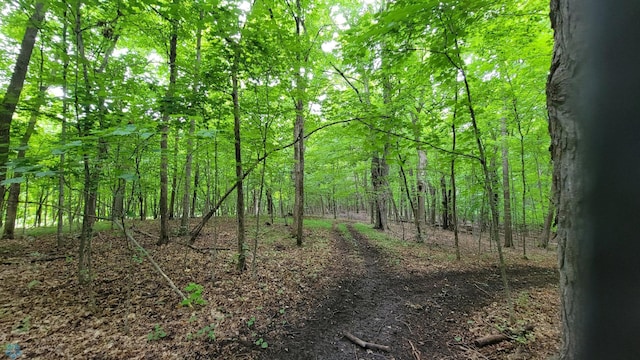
x=296 y=303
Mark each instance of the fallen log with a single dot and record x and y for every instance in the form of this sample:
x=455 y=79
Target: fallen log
x=366 y=345
x=498 y=338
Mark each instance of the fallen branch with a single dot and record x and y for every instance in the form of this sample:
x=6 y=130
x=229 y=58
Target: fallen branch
x=37 y=259
x=206 y=249
x=153 y=262
x=366 y=345
x=498 y=338
x=144 y=233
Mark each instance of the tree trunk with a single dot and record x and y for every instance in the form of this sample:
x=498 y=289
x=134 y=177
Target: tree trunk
x=445 y=204
x=174 y=178
x=454 y=209
x=12 y=96
x=63 y=131
x=298 y=131
x=241 y=266
x=164 y=161
x=379 y=173
x=569 y=185
x=14 y=189
x=488 y=182
x=184 y=221
x=270 y=204
x=414 y=208
x=506 y=189
x=546 y=228
x=432 y=208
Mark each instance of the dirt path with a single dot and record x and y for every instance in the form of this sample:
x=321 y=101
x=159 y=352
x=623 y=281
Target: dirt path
x=418 y=317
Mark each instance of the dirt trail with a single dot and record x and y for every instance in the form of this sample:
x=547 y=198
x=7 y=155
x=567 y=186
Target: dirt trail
x=413 y=315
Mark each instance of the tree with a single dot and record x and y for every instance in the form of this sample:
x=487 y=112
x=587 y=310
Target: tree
x=566 y=136
x=169 y=103
x=12 y=96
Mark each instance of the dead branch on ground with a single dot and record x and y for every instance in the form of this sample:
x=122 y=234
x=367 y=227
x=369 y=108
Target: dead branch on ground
x=497 y=338
x=366 y=345
x=153 y=262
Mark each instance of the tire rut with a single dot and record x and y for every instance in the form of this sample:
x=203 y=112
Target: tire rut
x=407 y=313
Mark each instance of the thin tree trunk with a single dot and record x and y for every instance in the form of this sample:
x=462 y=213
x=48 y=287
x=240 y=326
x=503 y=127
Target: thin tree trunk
x=506 y=190
x=241 y=266
x=414 y=208
x=174 y=178
x=546 y=228
x=63 y=131
x=184 y=221
x=454 y=197
x=432 y=208
x=298 y=132
x=488 y=183
x=173 y=72
x=445 y=204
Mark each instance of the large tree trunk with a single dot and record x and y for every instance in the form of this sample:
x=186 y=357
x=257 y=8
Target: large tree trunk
x=566 y=133
x=164 y=161
x=506 y=187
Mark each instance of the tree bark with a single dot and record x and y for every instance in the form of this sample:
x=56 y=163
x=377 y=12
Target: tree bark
x=566 y=134
x=298 y=130
x=164 y=134
x=445 y=204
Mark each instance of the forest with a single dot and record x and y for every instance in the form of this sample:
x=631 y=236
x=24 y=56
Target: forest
x=277 y=179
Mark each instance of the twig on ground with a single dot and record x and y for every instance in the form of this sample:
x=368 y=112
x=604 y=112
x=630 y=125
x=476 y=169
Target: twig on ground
x=144 y=233
x=494 y=339
x=481 y=289
x=414 y=351
x=366 y=345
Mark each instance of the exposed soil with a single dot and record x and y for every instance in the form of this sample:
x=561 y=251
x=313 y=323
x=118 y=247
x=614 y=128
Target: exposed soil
x=417 y=316
x=297 y=304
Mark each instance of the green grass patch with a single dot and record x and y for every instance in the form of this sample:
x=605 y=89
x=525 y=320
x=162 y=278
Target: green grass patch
x=318 y=223
x=50 y=230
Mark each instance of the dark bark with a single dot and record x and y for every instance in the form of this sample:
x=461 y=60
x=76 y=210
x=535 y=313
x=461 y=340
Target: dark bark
x=241 y=265
x=566 y=133
x=445 y=204
x=164 y=161
x=298 y=130
x=379 y=173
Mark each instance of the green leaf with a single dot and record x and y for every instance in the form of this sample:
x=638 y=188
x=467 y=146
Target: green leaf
x=18 y=180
